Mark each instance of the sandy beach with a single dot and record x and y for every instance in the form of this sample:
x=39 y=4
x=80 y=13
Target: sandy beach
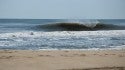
x=62 y=60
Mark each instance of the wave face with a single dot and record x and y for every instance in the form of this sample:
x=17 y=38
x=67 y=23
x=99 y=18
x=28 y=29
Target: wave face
x=67 y=26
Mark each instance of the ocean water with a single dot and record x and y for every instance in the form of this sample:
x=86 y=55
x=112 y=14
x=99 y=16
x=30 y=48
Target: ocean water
x=59 y=34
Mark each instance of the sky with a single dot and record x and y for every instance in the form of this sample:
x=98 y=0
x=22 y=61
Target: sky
x=62 y=9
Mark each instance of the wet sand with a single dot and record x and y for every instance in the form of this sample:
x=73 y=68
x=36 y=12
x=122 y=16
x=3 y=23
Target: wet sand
x=62 y=60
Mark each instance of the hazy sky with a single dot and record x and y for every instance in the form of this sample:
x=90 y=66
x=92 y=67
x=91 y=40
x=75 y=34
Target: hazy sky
x=71 y=9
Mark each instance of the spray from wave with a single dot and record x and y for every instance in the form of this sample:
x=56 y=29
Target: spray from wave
x=87 y=23
x=79 y=25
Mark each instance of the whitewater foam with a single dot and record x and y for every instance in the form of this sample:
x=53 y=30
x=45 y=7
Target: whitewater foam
x=63 y=40
x=64 y=33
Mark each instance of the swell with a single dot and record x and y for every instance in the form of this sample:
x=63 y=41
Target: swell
x=79 y=27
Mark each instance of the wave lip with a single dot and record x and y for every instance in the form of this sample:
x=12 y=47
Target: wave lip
x=67 y=26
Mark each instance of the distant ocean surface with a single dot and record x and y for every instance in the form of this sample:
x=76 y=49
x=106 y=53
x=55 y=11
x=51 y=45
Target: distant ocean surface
x=62 y=34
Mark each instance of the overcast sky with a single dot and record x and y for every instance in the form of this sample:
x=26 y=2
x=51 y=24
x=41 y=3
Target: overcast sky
x=57 y=9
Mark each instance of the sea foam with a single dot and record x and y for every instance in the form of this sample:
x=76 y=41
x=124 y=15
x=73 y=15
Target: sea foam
x=63 y=40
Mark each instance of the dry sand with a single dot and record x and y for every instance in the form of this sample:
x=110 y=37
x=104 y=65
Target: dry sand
x=62 y=60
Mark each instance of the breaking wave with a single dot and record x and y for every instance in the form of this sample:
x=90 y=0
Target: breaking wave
x=71 y=26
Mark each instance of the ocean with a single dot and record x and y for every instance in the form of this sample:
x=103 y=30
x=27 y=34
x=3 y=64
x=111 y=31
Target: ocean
x=62 y=34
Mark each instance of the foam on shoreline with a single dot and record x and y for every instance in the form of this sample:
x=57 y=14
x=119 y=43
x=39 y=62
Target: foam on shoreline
x=63 y=40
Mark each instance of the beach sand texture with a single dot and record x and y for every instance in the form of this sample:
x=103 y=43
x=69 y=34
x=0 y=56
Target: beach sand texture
x=62 y=60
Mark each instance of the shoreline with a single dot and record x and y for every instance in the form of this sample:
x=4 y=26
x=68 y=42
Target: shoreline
x=62 y=59
x=93 y=49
